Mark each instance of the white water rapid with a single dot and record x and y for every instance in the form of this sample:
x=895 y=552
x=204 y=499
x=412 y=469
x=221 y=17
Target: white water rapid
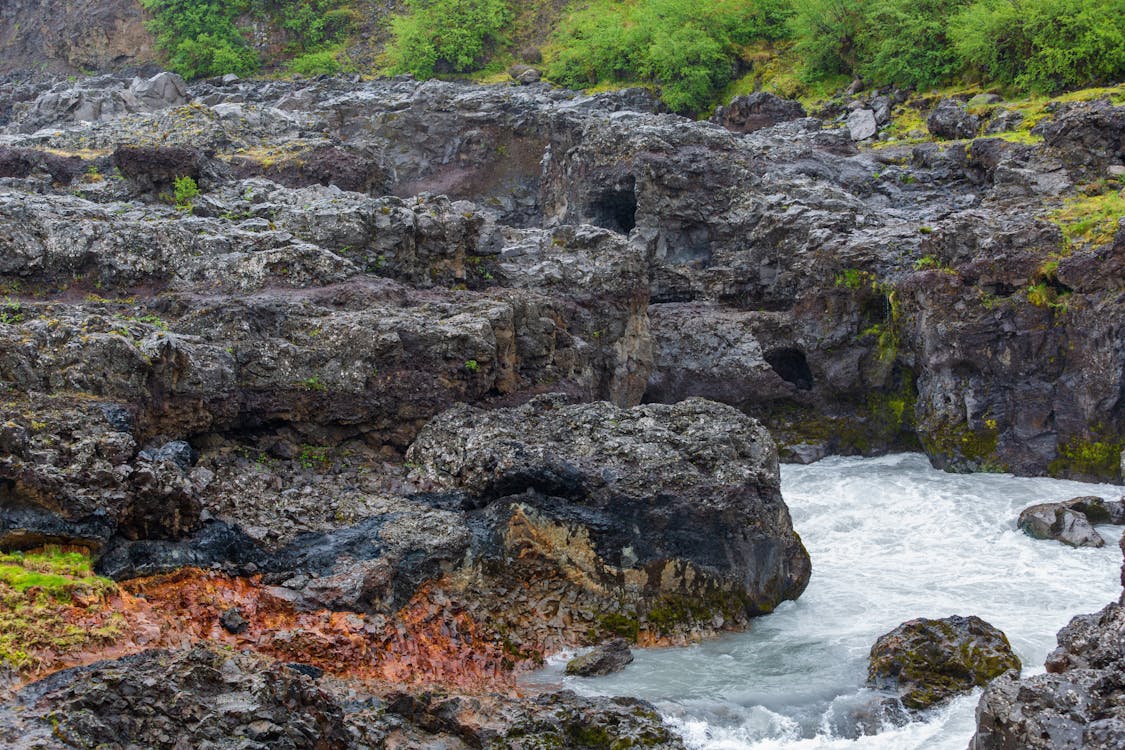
x=891 y=539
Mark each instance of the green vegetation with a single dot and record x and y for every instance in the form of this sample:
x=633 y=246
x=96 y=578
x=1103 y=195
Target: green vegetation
x=1091 y=459
x=446 y=36
x=1091 y=219
x=185 y=191
x=37 y=591
x=201 y=38
x=689 y=49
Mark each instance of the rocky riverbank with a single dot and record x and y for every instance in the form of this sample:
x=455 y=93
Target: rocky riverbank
x=405 y=381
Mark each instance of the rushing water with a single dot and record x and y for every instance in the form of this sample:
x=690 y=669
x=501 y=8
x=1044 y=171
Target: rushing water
x=891 y=539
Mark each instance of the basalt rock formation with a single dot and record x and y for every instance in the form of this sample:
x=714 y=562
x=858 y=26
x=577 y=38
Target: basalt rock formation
x=1076 y=704
x=406 y=372
x=928 y=661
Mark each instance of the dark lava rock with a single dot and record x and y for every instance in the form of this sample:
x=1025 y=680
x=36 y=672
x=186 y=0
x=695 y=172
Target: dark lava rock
x=611 y=656
x=175 y=699
x=1098 y=509
x=157 y=166
x=949 y=119
x=1075 y=706
x=928 y=661
x=746 y=114
x=1087 y=135
x=178 y=452
x=1059 y=522
x=233 y=621
x=655 y=502
x=562 y=720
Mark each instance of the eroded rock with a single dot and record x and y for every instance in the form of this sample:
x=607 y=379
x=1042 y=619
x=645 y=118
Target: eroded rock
x=606 y=658
x=1060 y=522
x=927 y=661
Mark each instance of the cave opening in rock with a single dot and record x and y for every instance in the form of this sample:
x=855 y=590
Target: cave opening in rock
x=792 y=367
x=615 y=208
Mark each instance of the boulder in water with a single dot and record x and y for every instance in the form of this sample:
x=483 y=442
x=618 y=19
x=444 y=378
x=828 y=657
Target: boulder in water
x=929 y=661
x=1098 y=509
x=1061 y=523
x=611 y=656
x=1077 y=704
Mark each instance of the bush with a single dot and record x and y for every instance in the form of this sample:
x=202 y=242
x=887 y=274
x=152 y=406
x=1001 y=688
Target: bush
x=906 y=43
x=185 y=191
x=689 y=48
x=1043 y=45
x=315 y=63
x=199 y=38
x=449 y=36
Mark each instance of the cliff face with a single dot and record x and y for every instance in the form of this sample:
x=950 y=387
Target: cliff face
x=71 y=37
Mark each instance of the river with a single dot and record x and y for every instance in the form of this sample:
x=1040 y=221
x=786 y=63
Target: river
x=891 y=539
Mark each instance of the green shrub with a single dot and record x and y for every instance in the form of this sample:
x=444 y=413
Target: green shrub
x=1043 y=45
x=449 y=36
x=906 y=43
x=315 y=63
x=198 y=37
x=689 y=49
x=185 y=191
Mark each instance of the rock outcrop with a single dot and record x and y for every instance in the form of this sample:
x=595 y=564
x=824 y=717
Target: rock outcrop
x=653 y=519
x=927 y=662
x=203 y=698
x=605 y=658
x=1061 y=523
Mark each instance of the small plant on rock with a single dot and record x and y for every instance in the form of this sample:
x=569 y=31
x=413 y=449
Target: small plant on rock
x=186 y=190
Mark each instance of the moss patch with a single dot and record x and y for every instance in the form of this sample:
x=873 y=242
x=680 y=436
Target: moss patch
x=43 y=597
x=1093 y=459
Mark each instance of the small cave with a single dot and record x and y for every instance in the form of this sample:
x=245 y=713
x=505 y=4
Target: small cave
x=615 y=208
x=792 y=367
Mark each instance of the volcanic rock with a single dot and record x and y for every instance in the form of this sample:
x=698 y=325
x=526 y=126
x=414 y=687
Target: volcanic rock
x=929 y=661
x=606 y=658
x=949 y=119
x=1061 y=522
x=746 y=114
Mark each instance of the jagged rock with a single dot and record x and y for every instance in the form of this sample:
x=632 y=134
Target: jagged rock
x=1087 y=136
x=233 y=621
x=154 y=699
x=1098 y=509
x=1075 y=705
x=1060 y=522
x=949 y=119
x=606 y=658
x=1003 y=120
x=562 y=485
x=746 y=114
x=929 y=661
x=862 y=124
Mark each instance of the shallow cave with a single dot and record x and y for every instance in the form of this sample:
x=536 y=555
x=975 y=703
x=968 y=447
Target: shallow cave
x=615 y=208
x=792 y=367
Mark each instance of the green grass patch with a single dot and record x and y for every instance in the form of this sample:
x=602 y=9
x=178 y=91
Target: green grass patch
x=1091 y=220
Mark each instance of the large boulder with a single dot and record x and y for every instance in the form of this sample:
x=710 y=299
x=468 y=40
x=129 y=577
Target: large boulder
x=950 y=119
x=1059 y=522
x=1076 y=705
x=606 y=658
x=929 y=661
x=670 y=515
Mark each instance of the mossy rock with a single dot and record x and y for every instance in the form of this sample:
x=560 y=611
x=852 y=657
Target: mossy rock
x=930 y=661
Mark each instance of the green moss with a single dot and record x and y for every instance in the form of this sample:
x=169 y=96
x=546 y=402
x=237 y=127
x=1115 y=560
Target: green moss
x=972 y=448
x=37 y=590
x=1088 y=458
x=616 y=623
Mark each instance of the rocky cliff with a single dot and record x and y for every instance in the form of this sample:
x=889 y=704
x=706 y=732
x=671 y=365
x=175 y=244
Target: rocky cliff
x=418 y=382
x=71 y=37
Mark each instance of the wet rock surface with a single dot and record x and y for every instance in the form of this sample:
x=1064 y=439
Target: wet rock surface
x=202 y=698
x=927 y=661
x=1059 y=522
x=606 y=658
x=1075 y=705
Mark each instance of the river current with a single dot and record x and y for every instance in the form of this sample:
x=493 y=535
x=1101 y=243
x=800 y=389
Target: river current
x=891 y=539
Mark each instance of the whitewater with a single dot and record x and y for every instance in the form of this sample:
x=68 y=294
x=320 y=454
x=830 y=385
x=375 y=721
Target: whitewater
x=891 y=539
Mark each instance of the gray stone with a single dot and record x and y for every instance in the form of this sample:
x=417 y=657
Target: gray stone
x=862 y=124
x=607 y=658
x=1061 y=523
